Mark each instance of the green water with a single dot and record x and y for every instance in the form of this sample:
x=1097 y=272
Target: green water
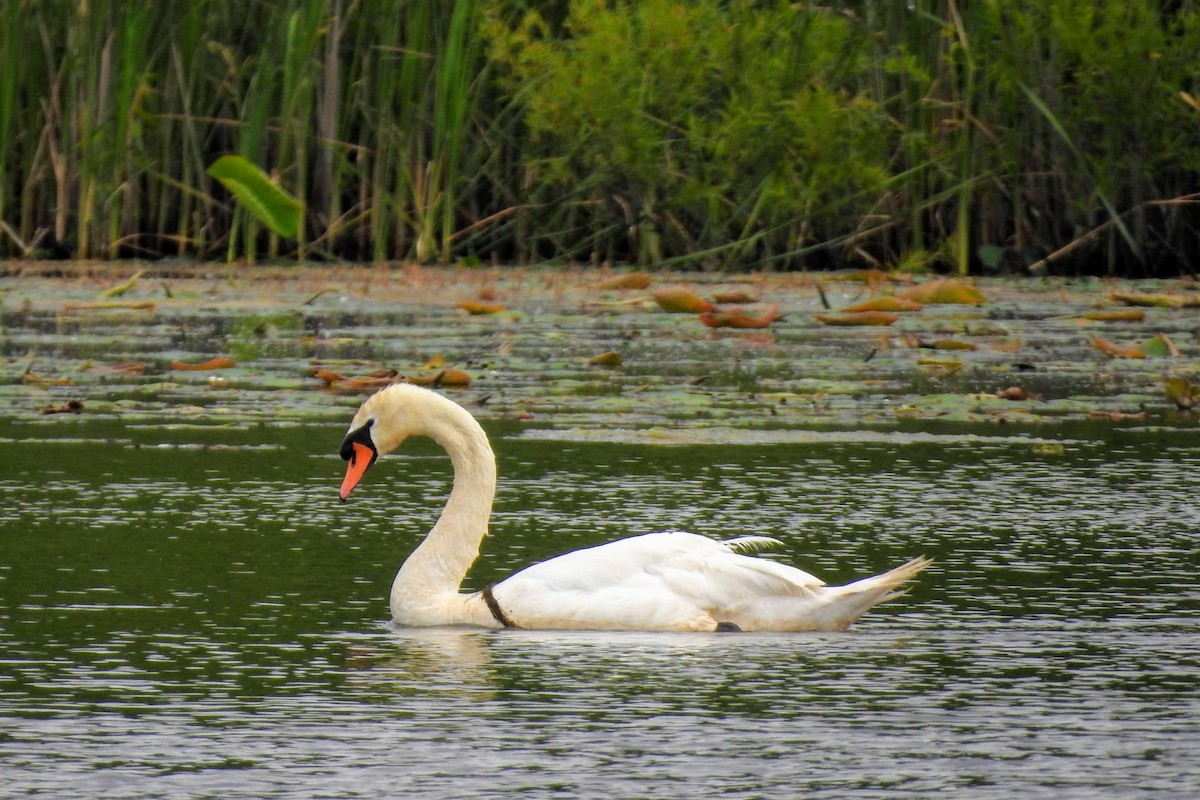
x=189 y=612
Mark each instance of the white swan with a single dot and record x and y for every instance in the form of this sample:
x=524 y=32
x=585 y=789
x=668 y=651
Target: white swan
x=659 y=581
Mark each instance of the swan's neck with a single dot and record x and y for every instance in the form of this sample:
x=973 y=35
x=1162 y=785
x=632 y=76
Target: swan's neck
x=426 y=590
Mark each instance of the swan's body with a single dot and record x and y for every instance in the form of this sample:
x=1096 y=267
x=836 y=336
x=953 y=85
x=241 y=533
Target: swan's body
x=661 y=581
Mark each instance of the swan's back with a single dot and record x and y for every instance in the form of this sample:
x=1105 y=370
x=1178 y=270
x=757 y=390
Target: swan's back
x=676 y=581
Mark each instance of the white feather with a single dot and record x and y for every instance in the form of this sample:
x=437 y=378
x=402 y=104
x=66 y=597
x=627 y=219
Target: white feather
x=752 y=544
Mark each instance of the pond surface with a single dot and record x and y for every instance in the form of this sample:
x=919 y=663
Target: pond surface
x=276 y=332
x=187 y=611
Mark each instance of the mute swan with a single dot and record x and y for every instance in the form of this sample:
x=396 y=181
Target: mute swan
x=660 y=581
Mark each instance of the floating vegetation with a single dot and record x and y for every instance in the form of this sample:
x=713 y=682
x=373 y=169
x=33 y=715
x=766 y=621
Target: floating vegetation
x=301 y=344
x=609 y=358
x=736 y=318
x=220 y=362
x=856 y=318
x=887 y=302
x=681 y=300
x=1157 y=299
x=1182 y=392
x=946 y=291
x=478 y=307
x=630 y=280
x=1117 y=315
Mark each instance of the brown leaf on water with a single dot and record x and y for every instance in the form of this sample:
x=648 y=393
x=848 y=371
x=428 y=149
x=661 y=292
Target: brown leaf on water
x=1016 y=393
x=946 y=291
x=1116 y=351
x=885 y=303
x=446 y=377
x=855 y=318
x=952 y=344
x=478 y=307
x=736 y=318
x=1153 y=300
x=435 y=362
x=610 y=359
x=681 y=300
x=220 y=362
x=110 y=305
x=1116 y=415
x=630 y=280
x=1117 y=315
x=870 y=277
x=453 y=377
x=33 y=379
x=940 y=366
x=377 y=379
x=1182 y=392
x=734 y=296
x=328 y=376
x=69 y=407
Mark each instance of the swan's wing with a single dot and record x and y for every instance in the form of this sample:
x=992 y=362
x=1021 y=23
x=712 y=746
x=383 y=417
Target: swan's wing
x=661 y=580
x=720 y=579
x=611 y=564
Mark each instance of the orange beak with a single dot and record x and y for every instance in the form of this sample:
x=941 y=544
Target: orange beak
x=361 y=457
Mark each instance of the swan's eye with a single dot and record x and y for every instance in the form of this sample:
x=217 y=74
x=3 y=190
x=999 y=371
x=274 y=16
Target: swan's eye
x=360 y=436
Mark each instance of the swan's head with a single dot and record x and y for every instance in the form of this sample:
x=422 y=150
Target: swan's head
x=383 y=422
x=359 y=451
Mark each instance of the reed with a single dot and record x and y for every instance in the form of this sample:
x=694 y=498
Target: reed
x=967 y=136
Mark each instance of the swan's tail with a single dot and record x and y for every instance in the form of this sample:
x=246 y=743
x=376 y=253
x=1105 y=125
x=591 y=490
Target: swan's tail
x=848 y=603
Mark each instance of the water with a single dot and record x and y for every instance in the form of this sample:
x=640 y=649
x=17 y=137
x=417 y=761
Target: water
x=188 y=612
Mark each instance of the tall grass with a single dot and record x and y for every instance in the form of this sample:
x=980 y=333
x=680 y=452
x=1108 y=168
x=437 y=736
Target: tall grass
x=1062 y=134
x=1051 y=122
x=110 y=111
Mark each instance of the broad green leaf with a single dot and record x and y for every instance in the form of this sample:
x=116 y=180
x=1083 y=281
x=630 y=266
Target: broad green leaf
x=269 y=204
x=1160 y=346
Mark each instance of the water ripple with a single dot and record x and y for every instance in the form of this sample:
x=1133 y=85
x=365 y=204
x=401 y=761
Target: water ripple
x=211 y=624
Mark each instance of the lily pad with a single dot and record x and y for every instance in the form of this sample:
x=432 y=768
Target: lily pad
x=365 y=324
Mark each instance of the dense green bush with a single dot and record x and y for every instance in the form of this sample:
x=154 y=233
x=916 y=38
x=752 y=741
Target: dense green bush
x=989 y=133
x=698 y=128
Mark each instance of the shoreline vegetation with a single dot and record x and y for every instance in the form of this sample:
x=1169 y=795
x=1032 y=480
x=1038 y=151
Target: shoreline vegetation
x=970 y=137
